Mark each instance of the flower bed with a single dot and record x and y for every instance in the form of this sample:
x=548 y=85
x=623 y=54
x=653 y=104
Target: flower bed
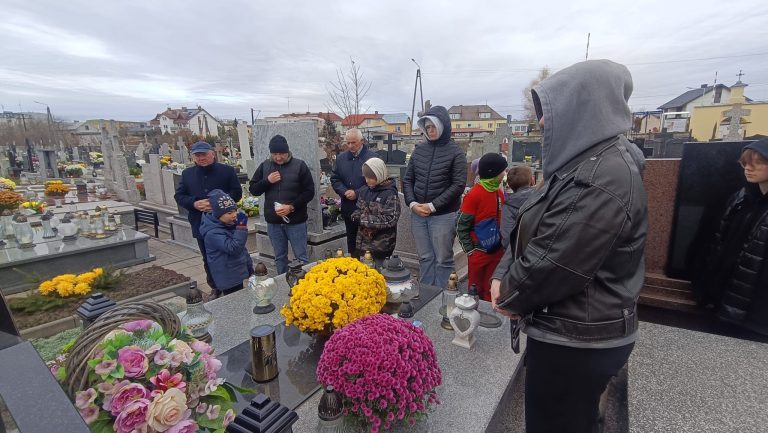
x=333 y=294
x=384 y=368
x=56 y=188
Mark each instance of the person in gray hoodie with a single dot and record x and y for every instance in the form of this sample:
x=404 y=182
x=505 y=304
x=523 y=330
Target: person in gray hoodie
x=572 y=275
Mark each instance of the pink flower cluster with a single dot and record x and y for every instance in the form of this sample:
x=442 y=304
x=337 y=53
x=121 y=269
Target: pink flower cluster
x=147 y=381
x=385 y=368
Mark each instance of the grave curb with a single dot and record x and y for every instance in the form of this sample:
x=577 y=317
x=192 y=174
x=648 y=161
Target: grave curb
x=73 y=321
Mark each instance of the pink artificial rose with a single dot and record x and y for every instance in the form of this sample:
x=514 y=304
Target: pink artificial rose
x=183 y=349
x=137 y=325
x=89 y=414
x=186 y=426
x=126 y=395
x=83 y=399
x=164 y=380
x=133 y=417
x=133 y=360
x=201 y=346
x=162 y=357
x=104 y=368
x=167 y=410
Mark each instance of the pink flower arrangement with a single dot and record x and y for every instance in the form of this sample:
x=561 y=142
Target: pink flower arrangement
x=143 y=380
x=384 y=368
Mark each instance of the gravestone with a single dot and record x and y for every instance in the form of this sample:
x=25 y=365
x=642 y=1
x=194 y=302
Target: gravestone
x=326 y=165
x=141 y=150
x=303 y=142
x=165 y=149
x=396 y=157
x=154 y=149
x=5 y=165
x=242 y=137
x=116 y=176
x=521 y=149
x=153 y=183
x=734 y=125
x=76 y=154
x=47 y=164
x=130 y=158
x=709 y=175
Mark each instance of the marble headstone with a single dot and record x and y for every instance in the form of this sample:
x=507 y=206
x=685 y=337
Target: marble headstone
x=116 y=176
x=76 y=153
x=245 y=149
x=303 y=142
x=165 y=149
x=734 y=126
x=153 y=183
x=708 y=176
x=140 y=151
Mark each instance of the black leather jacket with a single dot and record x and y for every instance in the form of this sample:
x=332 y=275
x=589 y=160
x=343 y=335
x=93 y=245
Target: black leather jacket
x=576 y=265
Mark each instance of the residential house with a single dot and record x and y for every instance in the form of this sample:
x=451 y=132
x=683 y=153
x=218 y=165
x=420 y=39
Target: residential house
x=677 y=112
x=197 y=120
x=397 y=123
x=713 y=121
x=373 y=121
x=475 y=118
x=88 y=132
x=644 y=122
x=519 y=127
x=10 y=118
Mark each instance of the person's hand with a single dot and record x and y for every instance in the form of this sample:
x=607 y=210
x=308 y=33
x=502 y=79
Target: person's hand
x=283 y=210
x=350 y=194
x=274 y=177
x=242 y=219
x=495 y=294
x=422 y=210
x=203 y=205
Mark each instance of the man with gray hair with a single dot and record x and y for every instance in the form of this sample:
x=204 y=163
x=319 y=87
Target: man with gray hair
x=347 y=177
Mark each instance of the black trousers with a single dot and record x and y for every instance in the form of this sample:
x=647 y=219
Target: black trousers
x=352 y=236
x=208 y=278
x=563 y=385
x=215 y=293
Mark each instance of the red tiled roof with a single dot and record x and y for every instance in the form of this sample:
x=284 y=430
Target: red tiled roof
x=356 y=119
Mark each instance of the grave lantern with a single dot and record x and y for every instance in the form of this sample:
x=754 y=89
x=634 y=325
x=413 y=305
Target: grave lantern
x=197 y=318
x=67 y=228
x=23 y=231
x=448 y=298
x=263 y=288
x=46 y=221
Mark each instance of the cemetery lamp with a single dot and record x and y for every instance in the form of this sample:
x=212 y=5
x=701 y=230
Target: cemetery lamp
x=7 y=217
x=263 y=289
x=368 y=259
x=67 y=228
x=2 y=232
x=23 y=230
x=197 y=318
x=330 y=410
x=45 y=220
x=448 y=299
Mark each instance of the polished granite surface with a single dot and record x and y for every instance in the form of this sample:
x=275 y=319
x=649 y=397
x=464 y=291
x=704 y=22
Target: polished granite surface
x=11 y=254
x=473 y=380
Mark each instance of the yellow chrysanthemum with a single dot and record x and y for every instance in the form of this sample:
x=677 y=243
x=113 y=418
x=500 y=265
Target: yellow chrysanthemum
x=82 y=289
x=65 y=288
x=46 y=287
x=333 y=294
x=98 y=271
x=86 y=277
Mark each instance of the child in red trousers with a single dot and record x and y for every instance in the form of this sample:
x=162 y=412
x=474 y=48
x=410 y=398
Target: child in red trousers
x=479 y=221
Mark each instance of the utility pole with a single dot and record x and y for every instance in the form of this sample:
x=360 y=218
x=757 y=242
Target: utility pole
x=421 y=89
x=586 y=56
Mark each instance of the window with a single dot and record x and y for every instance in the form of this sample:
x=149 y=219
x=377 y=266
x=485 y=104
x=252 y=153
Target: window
x=87 y=128
x=490 y=125
x=397 y=129
x=469 y=125
x=455 y=116
x=718 y=95
x=485 y=115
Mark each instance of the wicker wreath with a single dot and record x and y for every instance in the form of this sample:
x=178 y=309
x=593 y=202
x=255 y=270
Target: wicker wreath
x=77 y=362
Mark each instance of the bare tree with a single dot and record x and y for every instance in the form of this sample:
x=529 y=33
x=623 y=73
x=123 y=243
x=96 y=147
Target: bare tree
x=530 y=110
x=347 y=93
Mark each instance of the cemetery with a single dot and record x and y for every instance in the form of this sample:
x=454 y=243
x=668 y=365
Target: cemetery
x=270 y=354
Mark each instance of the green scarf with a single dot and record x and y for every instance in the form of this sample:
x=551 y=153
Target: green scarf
x=490 y=185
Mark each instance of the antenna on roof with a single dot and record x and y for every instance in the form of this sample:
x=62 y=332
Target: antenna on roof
x=586 y=56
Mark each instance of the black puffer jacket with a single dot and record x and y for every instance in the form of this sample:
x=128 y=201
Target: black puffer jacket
x=296 y=188
x=734 y=275
x=437 y=171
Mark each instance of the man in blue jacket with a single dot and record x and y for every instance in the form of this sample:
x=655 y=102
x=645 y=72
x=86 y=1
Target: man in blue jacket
x=347 y=178
x=196 y=182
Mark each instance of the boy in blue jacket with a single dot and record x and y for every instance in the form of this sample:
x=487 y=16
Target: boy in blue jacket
x=225 y=231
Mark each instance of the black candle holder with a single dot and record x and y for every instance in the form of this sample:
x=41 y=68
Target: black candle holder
x=263 y=416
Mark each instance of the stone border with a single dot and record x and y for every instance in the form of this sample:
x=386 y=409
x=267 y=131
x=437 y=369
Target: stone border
x=52 y=328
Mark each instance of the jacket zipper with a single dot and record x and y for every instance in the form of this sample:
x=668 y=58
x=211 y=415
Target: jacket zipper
x=429 y=170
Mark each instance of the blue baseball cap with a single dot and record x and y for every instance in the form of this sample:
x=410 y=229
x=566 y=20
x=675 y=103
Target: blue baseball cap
x=200 y=147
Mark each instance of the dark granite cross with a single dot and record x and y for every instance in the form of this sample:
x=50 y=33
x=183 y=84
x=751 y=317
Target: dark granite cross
x=389 y=142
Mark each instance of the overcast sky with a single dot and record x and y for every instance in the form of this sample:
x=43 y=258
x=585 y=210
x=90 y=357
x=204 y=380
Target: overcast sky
x=129 y=60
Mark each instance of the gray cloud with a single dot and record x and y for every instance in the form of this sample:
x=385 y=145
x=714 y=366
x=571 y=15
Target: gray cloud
x=122 y=60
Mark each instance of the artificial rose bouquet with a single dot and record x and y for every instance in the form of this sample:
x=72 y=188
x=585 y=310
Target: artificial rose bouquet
x=142 y=380
x=384 y=368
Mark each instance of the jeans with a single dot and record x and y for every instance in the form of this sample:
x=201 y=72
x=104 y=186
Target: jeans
x=208 y=277
x=280 y=235
x=434 y=236
x=351 y=236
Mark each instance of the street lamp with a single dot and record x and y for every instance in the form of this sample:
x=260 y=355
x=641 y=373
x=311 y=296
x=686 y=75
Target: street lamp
x=421 y=88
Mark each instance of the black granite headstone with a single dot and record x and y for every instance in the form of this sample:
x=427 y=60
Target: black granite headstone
x=383 y=155
x=396 y=157
x=326 y=165
x=709 y=175
x=521 y=149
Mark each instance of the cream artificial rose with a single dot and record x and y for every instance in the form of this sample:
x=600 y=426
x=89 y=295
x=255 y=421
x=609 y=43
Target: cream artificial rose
x=167 y=410
x=183 y=349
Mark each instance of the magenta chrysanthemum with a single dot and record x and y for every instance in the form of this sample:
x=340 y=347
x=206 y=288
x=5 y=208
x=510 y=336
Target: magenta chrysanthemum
x=384 y=368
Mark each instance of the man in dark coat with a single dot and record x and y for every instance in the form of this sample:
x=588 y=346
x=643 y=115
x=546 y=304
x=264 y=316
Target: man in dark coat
x=196 y=182
x=432 y=187
x=347 y=178
x=288 y=187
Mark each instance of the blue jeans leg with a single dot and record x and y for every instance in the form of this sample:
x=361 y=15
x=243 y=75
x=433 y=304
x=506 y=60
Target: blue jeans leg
x=297 y=235
x=421 y=237
x=442 y=230
x=279 y=240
